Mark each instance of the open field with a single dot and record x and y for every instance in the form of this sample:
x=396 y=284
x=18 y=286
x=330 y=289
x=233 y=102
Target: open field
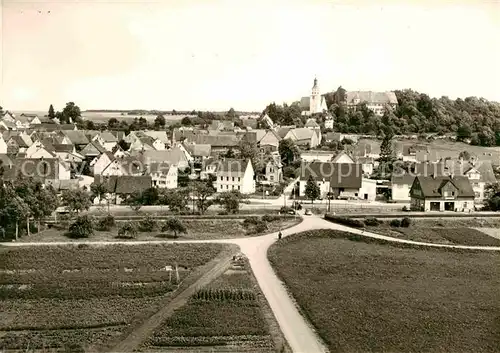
x=444 y=231
x=223 y=316
x=443 y=149
x=87 y=295
x=367 y=297
x=197 y=229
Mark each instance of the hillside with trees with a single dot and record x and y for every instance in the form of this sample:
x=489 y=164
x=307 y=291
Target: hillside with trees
x=471 y=118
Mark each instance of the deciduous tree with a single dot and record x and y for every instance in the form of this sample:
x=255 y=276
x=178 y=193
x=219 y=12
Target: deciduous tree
x=76 y=200
x=174 y=225
x=288 y=151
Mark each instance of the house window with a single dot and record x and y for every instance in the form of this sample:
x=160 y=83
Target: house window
x=271 y=170
x=227 y=178
x=465 y=204
x=221 y=187
x=271 y=177
x=356 y=194
x=233 y=178
x=239 y=179
x=238 y=187
x=227 y=187
x=221 y=178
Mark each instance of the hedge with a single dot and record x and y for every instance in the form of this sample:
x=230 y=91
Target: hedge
x=350 y=222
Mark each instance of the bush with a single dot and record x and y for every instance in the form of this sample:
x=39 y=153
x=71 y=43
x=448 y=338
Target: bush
x=106 y=223
x=81 y=228
x=286 y=209
x=406 y=222
x=405 y=209
x=350 y=222
x=251 y=221
x=128 y=230
x=254 y=224
x=372 y=221
x=395 y=223
x=148 y=224
x=270 y=218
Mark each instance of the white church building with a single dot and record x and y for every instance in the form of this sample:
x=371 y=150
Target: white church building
x=315 y=103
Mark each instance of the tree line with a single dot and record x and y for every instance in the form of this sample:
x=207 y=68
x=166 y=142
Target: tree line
x=471 y=118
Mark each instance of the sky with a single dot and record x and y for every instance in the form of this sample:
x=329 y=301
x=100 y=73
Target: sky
x=213 y=55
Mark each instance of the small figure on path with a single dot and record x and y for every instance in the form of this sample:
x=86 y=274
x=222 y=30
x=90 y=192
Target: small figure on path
x=279 y=234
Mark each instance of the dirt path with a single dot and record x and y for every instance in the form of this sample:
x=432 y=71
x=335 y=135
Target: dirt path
x=206 y=273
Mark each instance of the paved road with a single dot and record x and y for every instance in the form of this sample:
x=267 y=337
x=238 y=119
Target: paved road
x=298 y=332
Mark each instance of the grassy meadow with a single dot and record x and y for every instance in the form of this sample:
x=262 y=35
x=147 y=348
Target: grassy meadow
x=368 y=297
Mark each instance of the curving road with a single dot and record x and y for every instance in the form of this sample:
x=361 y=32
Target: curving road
x=298 y=332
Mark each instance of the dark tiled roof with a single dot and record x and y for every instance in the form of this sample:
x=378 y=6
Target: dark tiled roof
x=47 y=168
x=77 y=137
x=71 y=184
x=63 y=148
x=108 y=137
x=234 y=167
x=215 y=140
x=124 y=184
x=343 y=175
x=432 y=186
x=91 y=150
x=198 y=150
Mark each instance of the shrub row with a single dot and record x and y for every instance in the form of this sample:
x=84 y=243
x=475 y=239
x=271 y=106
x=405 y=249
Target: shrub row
x=405 y=222
x=350 y=222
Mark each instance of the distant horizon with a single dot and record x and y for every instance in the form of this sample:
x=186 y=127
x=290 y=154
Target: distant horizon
x=118 y=110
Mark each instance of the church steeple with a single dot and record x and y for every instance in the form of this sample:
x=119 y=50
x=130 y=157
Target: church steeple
x=315 y=86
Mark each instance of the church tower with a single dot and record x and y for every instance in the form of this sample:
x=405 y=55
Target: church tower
x=315 y=101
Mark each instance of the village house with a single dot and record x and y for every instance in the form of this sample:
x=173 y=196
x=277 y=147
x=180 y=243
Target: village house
x=163 y=176
x=173 y=156
x=39 y=150
x=317 y=155
x=102 y=162
x=208 y=168
x=329 y=122
x=344 y=181
x=120 y=187
x=220 y=144
x=219 y=125
x=401 y=180
x=77 y=138
x=40 y=169
x=274 y=170
x=269 y=142
x=92 y=150
x=479 y=173
x=118 y=152
x=159 y=135
x=235 y=174
x=107 y=140
x=442 y=193
x=418 y=153
x=342 y=158
x=375 y=101
x=130 y=166
x=367 y=163
x=267 y=122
